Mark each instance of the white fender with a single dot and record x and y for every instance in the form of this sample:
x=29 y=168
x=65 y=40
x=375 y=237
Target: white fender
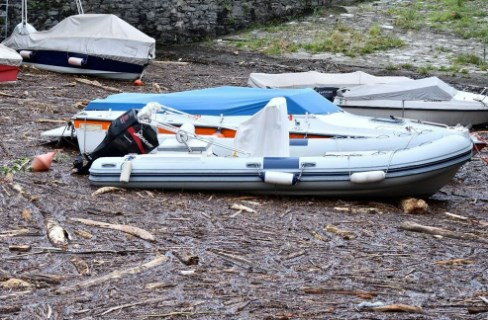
x=275 y=177
x=368 y=176
x=26 y=54
x=74 y=61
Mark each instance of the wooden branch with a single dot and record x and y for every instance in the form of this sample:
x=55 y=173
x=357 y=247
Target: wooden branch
x=97 y=84
x=127 y=305
x=415 y=227
x=398 y=308
x=135 y=231
x=115 y=275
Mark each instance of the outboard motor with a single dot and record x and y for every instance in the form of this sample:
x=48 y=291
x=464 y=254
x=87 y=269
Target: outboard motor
x=125 y=135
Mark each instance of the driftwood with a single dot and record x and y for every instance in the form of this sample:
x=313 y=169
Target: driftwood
x=240 y=208
x=177 y=63
x=103 y=190
x=135 y=231
x=115 y=275
x=357 y=293
x=50 y=121
x=475 y=310
x=345 y=234
x=398 y=308
x=97 y=84
x=6 y=95
x=127 y=305
x=415 y=227
x=22 y=248
x=454 y=262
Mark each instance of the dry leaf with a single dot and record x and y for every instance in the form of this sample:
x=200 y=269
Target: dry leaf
x=26 y=214
x=414 y=206
x=81 y=266
x=83 y=234
x=56 y=234
x=15 y=283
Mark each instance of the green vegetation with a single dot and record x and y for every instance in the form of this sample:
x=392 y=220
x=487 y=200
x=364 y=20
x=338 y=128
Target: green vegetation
x=14 y=166
x=463 y=18
x=341 y=39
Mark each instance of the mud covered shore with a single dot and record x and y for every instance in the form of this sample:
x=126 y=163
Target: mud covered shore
x=276 y=259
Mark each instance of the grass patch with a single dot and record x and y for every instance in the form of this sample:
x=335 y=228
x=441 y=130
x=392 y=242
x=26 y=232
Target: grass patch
x=462 y=18
x=468 y=59
x=341 y=39
x=14 y=166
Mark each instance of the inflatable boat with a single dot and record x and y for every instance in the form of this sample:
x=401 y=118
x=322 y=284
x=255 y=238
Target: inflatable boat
x=417 y=171
x=262 y=162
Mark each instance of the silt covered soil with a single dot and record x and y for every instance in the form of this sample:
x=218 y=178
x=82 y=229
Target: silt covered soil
x=217 y=255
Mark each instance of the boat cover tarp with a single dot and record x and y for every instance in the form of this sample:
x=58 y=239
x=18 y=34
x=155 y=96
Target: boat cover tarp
x=314 y=79
x=235 y=101
x=9 y=56
x=101 y=35
x=431 y=88
x=267 y=133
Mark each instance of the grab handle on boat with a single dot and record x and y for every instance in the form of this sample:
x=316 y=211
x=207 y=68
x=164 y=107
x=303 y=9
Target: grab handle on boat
x=126 y=170
x=368 y=177
x=276 y=177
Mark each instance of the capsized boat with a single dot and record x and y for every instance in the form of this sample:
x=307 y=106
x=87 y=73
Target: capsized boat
x=429 y=99
x=9 y=64
x=100 y=45
x=265 y=165
x=221 y=110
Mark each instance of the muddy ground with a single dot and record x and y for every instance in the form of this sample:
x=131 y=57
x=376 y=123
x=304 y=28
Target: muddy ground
x=276 y=262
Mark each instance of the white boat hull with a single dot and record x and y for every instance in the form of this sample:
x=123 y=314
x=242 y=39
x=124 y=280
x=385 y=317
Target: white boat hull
x=417 y=171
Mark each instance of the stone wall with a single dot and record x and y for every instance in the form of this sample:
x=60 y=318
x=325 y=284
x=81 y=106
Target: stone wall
x=173 y=21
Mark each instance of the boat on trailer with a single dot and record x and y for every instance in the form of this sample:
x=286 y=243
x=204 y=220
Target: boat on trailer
x=267 y=167
x=101 y=45
x=219 y=111
x=9 y=64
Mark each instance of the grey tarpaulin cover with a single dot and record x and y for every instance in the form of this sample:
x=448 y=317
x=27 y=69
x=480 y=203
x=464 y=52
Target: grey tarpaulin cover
x=101 y=35
x=9 y=57
x=431 y=88
x=314 y=79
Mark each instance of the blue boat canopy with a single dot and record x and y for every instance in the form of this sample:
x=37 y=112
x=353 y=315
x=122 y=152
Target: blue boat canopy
x=227 y=101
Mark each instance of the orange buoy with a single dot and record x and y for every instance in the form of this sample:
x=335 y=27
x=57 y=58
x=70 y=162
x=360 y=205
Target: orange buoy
x=138 y=82
x=43 y=162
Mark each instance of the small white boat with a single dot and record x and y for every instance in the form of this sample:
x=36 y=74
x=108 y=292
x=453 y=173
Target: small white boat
x=100 y=45
x=429 y=99
x=219 y=111
x=266 y=166
x=326 y=84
